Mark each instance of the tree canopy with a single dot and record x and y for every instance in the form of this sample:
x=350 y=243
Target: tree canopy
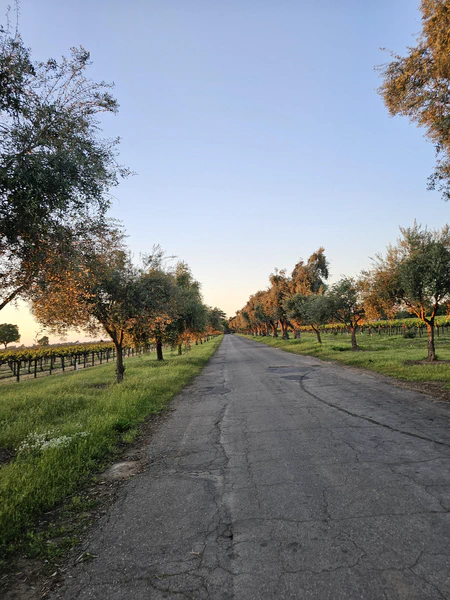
x=417 y=86
x=268 y=309
x=414 y=274
x=104 y=290
x=313 y=310
x=55 y=169
x=310 y=278
x=137 y=305
x=346 y=304
x=9 y=333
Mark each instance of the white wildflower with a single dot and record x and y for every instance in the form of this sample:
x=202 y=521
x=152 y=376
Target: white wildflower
x=36 y=442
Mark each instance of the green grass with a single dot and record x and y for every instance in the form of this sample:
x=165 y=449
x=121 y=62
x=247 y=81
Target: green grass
x=82 y=418
x=381 y=353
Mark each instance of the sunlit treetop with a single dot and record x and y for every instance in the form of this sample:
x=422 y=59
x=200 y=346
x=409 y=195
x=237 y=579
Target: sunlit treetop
x=418 y=86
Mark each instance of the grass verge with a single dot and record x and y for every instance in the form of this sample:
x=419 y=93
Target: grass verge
x=62 y=429
x=394 y=355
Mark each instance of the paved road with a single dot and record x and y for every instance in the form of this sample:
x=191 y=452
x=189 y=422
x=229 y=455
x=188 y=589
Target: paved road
x=279 y=476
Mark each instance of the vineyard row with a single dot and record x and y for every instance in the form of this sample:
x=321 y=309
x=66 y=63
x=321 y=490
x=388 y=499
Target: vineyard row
x=16 y=363
x=393 y=327
x=38 y=361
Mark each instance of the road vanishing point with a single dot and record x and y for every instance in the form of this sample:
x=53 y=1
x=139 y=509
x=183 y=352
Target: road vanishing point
x=280 y=476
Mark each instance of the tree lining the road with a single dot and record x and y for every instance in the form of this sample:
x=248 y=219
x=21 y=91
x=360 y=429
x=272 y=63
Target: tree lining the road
x=417 y=86
x=55 y=168
x=58 y=249
x=414 y=276
x=135 y=305
x=414 y=273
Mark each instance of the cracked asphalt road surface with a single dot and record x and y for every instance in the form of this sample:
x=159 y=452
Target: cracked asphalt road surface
x=280 y=476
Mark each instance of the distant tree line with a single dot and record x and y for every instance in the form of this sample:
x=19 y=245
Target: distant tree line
x=412 y=276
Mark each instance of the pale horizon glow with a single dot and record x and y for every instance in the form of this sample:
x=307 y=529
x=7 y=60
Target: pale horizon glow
x=255 y=130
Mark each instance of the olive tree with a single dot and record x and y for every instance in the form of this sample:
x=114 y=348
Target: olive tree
x=104 y=290
x=308 y=279
x=313 y=310
x=346 y=305
x=414 y=274
x=55 y=169
x=417 y=86
x=274 y=301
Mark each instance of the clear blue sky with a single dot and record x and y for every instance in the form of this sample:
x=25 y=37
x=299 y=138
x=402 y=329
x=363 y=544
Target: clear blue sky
x=254 y=127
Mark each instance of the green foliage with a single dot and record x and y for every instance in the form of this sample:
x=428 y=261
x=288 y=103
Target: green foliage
x=345 y=302
x=266 y=310
x=385 y=324
x=424 y=268
x=415 y=273
x=64 y=428
x=189 y=314
x=412 y=323
x=50 y=129
x=140 y=306
x=69 y=350
x=416 y=86
x=9 y=333
x=215 y=319
x=55 y=170
x=103 y=289
x=310 y=310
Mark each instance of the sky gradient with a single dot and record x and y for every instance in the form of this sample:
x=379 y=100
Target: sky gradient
x=255 y=130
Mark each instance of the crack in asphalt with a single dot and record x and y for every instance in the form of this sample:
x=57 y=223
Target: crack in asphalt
x=369 y=419
x=330 y=520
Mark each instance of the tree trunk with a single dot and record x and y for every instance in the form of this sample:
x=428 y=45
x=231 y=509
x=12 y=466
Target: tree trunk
x=284 y=331
x=120 y=369
x=296 y=334
x=179 y=350
x=353 y=332
x=159 y=352
x=317 y=331
x=431 y=349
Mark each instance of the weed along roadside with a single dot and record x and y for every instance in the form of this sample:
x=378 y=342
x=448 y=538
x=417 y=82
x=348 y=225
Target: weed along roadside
x=57 y=432
x=395 y=356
